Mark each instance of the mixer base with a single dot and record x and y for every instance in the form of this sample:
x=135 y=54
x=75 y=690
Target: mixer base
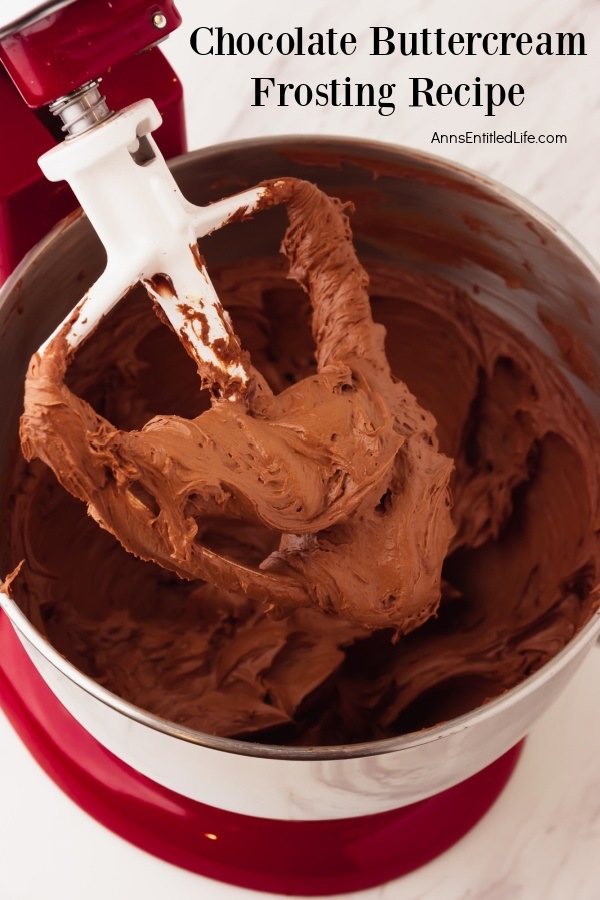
x=307 y=858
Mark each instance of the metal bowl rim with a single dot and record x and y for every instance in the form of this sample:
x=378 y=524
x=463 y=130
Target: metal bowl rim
x=342 y=751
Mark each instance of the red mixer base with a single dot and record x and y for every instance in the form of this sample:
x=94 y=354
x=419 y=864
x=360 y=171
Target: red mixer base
x=307 y=858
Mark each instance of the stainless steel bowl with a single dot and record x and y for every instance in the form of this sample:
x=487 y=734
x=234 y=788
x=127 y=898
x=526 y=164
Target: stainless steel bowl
x=520 y=262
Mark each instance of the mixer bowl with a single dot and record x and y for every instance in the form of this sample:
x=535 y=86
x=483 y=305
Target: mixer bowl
x=498 y=248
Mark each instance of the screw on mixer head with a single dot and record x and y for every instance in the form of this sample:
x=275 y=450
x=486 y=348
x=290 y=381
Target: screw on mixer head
x=82 y=109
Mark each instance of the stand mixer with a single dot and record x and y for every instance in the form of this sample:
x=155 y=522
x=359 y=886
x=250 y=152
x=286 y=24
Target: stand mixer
x=54 y=56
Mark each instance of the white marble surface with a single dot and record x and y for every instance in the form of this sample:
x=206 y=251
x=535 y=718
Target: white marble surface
x=541 y=840
x=562 y=93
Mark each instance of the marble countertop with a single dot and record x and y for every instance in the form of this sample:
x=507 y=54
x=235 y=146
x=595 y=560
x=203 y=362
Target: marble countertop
x=541 y=839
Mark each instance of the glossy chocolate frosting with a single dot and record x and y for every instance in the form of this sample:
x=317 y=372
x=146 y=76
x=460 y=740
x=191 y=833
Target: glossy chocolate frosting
x=519 y=579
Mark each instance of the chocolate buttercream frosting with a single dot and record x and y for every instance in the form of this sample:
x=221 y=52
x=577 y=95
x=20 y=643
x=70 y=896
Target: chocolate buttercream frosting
x=520 y=552
x=339 y=463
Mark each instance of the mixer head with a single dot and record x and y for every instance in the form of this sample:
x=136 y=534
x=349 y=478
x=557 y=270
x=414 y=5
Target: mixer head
x=51 y=49
x=49 y=54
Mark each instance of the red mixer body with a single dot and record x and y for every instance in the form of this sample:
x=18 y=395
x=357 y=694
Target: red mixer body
x=83 y=40
x=52 y=56
x=46 y=59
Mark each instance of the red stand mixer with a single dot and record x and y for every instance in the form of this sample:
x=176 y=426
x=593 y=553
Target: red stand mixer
x=53 y=58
